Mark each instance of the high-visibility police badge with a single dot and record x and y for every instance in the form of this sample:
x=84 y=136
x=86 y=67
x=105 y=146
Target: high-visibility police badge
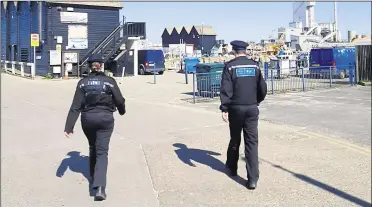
x=245 y=72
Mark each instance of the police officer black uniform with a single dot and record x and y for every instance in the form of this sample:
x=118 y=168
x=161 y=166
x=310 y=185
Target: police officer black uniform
x=242 y=90
x=97 y=96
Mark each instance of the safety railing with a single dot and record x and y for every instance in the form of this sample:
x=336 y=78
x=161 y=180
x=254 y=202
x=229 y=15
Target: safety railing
x=304 y=79
x=102 y=43
x=22 y=69
x=206 y=86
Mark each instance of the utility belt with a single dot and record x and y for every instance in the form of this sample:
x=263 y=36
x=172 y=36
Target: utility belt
x=98 y=108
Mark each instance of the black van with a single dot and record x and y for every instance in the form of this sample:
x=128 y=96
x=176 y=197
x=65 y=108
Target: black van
x=150 y=59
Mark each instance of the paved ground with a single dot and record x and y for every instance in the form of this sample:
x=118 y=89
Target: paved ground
x=167 y=152
x=343 y=113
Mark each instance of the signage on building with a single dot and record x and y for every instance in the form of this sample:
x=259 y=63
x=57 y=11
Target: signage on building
x=74 y=17
x=77 y=37
x=34 y=40
x=70 y=57
x=59 y=47
x=54 y=57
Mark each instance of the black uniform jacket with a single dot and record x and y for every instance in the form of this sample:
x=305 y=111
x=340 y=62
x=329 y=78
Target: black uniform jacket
x=95 y=93
x=242 y=83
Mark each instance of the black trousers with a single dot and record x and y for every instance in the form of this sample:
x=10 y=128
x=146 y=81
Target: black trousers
x=98 y=127
x=244 y=117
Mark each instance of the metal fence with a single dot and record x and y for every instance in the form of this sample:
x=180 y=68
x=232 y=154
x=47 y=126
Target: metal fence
x=206 y=86
x=18 y=68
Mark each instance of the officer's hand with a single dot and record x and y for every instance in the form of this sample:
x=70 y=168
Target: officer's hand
x=68 y=135
x=225 y=117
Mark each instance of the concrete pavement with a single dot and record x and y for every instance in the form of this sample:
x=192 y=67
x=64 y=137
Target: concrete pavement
x=166 y=152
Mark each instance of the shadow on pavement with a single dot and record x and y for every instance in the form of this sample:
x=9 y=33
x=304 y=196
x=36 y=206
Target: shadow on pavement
x=205 y=157
x=323 y=186
x=76 y=163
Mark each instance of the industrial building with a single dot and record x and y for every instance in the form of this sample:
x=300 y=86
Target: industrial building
x=69 y=33
x=202 y=37
x=363 y=65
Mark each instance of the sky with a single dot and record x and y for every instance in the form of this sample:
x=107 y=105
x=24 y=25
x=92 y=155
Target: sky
x=248 y=21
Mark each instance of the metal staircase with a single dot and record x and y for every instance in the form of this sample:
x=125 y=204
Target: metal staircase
x=109 y=46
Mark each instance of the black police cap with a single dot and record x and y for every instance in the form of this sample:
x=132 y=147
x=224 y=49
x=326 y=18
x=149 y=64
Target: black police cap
x=95 y=58
x=239 y=45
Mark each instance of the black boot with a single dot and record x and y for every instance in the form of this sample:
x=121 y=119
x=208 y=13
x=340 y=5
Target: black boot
x=232 y=172
x=100 y=194
x=251 y=185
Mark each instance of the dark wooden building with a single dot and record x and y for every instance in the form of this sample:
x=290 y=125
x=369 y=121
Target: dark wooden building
x=81 y=27
x=200 y=36
x=363 y=60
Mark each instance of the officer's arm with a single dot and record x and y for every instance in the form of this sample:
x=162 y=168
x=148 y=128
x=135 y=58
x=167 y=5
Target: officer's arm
x=261 y=87
x=226 y=91
x=118 y=98
x=75 y=109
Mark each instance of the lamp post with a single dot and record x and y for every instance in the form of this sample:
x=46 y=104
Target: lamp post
x=202 y=48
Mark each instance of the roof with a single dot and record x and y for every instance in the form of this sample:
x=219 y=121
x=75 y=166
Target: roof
x=169 y=30
x=188 y=29
x=116 y=4
x=178 y=29
x=205 y=29
x=363 y=41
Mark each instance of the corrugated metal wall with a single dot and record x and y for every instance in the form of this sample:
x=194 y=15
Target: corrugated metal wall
x=209 y=41
x=173 y=38
x=22 y=20
x=364 y=65
x=3 y=31
x=101 y=21
x=25 y=31
x=34 y=17
x=42 y=52
x=13 y=30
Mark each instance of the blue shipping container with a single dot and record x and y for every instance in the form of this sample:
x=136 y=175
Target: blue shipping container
x=322 y=59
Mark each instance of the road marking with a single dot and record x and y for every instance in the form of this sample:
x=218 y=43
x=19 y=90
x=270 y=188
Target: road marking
x=342 y=143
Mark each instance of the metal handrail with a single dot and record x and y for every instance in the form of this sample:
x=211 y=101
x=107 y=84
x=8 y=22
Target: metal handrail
x=109 y=38
x=99 y=46
x=117 y=46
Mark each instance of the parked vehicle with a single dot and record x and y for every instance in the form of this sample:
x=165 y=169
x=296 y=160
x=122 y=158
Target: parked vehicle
x=150 y=61
x=339 y=59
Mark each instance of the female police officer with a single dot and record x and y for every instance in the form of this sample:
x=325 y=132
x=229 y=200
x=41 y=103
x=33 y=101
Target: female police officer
x=97 y=96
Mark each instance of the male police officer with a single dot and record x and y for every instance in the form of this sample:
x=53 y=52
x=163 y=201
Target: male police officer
x=242 y=89
x=96 y=97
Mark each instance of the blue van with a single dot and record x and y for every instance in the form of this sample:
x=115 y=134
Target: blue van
x=150 y=59
x=340 y=58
